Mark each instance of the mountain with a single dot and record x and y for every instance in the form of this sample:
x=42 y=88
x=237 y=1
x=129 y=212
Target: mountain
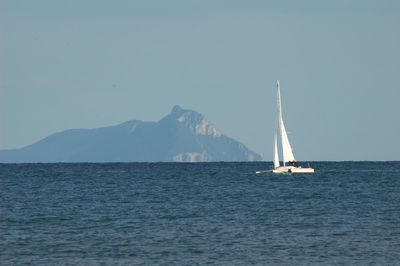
x=181 y=136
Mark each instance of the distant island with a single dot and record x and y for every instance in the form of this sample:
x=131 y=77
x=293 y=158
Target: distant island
x=181 y=136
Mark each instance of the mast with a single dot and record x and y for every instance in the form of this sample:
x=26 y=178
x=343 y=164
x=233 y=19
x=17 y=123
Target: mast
x=287 y=153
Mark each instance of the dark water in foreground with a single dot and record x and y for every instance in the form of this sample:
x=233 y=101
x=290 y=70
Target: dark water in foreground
x=216 y=213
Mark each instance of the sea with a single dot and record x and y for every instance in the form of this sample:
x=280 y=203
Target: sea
x=199 y=213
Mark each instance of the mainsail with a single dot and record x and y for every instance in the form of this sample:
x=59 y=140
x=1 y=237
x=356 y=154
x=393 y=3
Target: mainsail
x=276 y=156
x=287 y=153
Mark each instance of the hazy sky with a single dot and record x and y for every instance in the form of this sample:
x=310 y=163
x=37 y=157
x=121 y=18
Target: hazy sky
x=88 y=64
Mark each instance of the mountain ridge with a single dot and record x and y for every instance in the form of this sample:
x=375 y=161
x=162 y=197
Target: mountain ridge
x=183 y=135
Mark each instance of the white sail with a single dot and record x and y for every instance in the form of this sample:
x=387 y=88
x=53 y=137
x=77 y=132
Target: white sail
x=276 y=156
x=287 y=152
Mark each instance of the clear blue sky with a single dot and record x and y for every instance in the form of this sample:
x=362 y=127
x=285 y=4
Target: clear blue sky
x=87 y=64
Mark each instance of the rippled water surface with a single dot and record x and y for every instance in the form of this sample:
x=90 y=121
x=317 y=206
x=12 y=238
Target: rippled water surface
x=217 y=213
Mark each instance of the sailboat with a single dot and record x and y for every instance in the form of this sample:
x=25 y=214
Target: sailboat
x=289 y=162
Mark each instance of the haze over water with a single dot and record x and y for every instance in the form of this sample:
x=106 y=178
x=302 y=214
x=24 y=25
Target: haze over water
x=183 y=213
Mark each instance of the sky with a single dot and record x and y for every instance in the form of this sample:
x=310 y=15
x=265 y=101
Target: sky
x=88 y=64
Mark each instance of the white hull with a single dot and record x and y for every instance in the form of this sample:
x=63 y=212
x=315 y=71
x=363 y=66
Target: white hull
x=299 y=170
x=282 y=169
x=292 y=170
x=288 y=170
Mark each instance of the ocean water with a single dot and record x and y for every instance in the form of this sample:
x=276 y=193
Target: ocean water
x=199 y=213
